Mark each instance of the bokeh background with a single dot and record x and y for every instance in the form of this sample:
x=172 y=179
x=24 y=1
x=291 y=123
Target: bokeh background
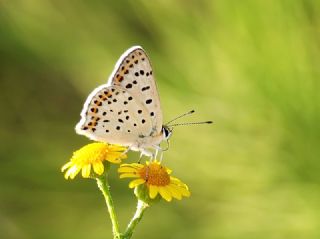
x=251 y=66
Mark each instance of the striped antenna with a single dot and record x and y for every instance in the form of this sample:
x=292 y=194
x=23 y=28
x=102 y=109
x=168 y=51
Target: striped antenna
x=190 y=123
x=180 y=116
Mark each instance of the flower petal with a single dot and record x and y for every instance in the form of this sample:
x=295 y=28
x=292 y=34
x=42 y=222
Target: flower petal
x=174 y=192
x=182 y=190
x=98 y=168
x=114 y=157
x=133 y=165
x=67 y=174
x=67 y=165
x=153 y=191
x=86 y=170
x=136 y=182
x=116 y=148
x=165 y=194
x=169 y=171
x=126 y=170
x=72 y=172
x=176 y=180
x=129 y=175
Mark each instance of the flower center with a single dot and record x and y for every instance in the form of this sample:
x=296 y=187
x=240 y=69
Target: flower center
x=155 y=174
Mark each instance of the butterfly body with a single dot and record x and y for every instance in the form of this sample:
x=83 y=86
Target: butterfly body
x=126 y=110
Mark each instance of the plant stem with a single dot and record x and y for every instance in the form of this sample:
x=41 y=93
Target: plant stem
x=141 y=207
x=103 y=185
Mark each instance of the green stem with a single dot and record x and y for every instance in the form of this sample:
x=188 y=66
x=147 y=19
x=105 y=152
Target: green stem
x=103 y=185
x=141 y=207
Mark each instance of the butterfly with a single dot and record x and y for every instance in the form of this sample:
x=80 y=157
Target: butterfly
x=127 y=110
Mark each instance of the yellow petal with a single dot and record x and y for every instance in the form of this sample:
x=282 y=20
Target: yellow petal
x=67 y=174
x=67 y=165
x=182 y=190
x=133 y=165
x=118 y=155
x=176 y=180
x=174 y=192
x=113 y=157
x=153 y=191
x=72 y=172
x=126 y=170
x=123 y=156
x=98 y=168
x=136 y=182
x=169 y=171
x=129 y=175
x=165 y=194
x=86 y=170
x=116 y=148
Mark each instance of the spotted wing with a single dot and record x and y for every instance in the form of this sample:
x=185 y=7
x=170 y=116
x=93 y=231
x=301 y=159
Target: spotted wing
x=134 y=73
x=112 y=114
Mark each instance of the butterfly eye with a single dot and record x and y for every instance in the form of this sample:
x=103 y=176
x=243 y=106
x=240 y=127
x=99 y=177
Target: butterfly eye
x=166 y=132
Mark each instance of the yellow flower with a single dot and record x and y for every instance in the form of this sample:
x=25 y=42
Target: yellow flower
x=92 y=156
x=156 y=178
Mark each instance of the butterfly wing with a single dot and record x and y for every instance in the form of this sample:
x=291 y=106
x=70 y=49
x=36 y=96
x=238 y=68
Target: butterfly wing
x=126 y=108
x=133 y=72
x=111 y=114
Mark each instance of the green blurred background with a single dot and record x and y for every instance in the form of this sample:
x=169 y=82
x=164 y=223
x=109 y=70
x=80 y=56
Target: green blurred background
x=251 y=66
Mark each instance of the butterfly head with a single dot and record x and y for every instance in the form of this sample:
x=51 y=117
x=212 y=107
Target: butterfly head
x=166 y=131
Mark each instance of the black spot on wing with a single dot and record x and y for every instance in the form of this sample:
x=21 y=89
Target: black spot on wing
x=145 y=88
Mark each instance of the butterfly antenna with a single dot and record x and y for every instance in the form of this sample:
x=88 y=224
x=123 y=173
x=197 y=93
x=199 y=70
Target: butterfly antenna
x=190 y=123
x=180 y=116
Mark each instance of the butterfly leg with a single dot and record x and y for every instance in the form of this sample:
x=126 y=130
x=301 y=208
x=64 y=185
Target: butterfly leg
x=141 y=154
x=157 y=149
x=161 y=156
x=124 y=152
x=146 y=153
x=155 y=154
